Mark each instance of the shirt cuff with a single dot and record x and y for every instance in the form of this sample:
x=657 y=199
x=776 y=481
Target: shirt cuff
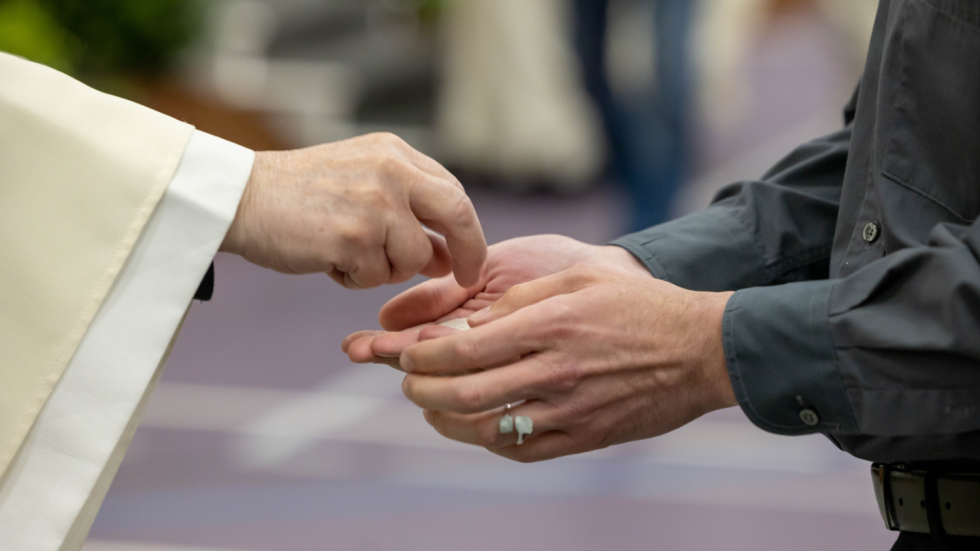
x=782 y=360
x=709 y=250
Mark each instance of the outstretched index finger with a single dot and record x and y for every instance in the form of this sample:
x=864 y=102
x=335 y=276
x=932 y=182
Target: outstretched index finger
x=445 y=208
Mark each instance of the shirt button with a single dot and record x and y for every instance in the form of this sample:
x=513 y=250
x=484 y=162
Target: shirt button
x=809 y=417
x=870 y=232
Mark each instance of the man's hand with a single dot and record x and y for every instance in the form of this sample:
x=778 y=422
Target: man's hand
x=593 y=356
x=410 y=315
x=352 y=209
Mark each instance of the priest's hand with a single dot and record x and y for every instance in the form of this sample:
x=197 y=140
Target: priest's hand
x=354 y=209
x=594 y=357
x=411 y=316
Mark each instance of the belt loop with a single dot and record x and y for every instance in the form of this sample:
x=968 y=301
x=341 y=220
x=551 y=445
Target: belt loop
x=932 y=505
x=884 y=476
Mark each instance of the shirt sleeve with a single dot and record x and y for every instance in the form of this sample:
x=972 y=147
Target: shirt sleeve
x=772 y=238
x=58 y=480
x=773 y=230
x=890 y=351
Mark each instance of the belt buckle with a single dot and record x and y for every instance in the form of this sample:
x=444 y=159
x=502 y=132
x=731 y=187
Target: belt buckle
x=881 y=473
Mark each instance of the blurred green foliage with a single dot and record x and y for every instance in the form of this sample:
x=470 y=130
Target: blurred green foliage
x=99 y=40
x=430 y=9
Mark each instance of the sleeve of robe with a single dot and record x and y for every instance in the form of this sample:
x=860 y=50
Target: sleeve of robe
x=110 y=215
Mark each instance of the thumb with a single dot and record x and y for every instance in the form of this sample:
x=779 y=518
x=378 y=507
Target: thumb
x=522 y=295
x=424 y=303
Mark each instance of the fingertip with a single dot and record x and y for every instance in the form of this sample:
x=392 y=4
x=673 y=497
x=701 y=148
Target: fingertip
x=360 y=351
x=435 y=332
x=469 y=254
x=480 y=317
x=345 y=345
x=407 y=386
x=408 y=365
x=472 y=272
x=391 y=345
x=355 y=336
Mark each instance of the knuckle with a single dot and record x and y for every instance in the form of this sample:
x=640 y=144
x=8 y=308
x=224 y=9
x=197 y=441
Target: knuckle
x=489 y=436
x=382 y=137
x=440 y=425
x=586 y=440
x=455 y=182
x=520 y=457
x=461 y=211
x=524 y=455
x=394 y=169
x=409 y=262
x=375 y=199
x=592 y=438
x=579 y=411
x=413 y=254
x=583 y=273
x=554 y=332
x=469 y=398
x=513 y=295
x=358 y=232
x=391 y=138
x=372 y=275
x=464 y=348
x=560 y=378
x=390 y=166
x=560 y=324
x=564 y=314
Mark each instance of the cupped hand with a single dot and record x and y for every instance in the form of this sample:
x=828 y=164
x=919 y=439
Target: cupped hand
x=410 y=316
x=354 y=209
x=593 y=356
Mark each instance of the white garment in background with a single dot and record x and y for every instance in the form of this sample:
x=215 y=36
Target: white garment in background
x=58 y=480
x=512 y=101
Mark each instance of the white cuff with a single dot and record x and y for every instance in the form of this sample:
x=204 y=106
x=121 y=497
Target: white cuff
x=58 y=480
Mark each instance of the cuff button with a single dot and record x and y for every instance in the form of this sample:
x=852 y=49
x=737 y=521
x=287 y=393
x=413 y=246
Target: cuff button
x=809 y=417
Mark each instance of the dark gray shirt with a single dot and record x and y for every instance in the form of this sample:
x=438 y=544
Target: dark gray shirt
x=856 y=259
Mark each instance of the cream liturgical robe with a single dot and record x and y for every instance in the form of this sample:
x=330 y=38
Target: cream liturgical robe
x=110 y=214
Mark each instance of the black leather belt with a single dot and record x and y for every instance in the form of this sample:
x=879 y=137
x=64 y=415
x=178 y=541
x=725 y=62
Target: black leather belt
x=928 y=501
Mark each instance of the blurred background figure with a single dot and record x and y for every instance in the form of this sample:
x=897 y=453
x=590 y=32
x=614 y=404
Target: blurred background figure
x=262 y=437
x=512 y=106
x=646 y=112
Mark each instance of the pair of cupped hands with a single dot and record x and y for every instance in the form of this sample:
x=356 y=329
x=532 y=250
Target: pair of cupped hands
x=580 y=338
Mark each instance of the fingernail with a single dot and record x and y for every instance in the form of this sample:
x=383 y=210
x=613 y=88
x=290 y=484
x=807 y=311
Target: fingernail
x=479 y=315
x=408 y=366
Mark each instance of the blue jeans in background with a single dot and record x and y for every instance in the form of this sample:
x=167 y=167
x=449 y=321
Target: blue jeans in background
x=647 y=132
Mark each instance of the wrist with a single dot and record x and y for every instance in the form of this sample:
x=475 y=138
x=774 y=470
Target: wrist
x=612 y=255
x=237 y=236
x=714 y=367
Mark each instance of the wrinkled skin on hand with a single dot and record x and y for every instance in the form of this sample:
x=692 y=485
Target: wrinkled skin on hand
x=352 y=209
x=413 y=314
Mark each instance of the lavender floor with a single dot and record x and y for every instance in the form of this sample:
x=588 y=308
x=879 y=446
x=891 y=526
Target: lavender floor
x=262 y=437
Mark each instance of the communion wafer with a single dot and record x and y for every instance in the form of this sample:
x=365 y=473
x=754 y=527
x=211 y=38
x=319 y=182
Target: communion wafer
x=460 y=324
